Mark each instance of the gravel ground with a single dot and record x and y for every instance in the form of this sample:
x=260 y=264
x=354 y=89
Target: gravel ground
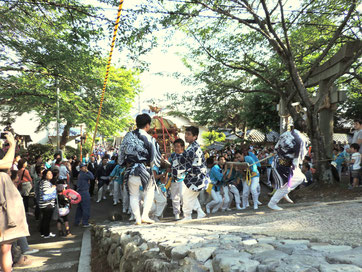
x=338 y=222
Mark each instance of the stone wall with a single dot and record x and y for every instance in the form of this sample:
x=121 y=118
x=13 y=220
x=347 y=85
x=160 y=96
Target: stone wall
x=178 y=247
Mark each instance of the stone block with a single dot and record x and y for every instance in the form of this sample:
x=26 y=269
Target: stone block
x=143 y=247
x=157 y=265
x=155 y=249
x=115 y=237
x=249 y=242
x=266 y=240
x=118 y=253
x=311 y=261
x=328 y=249
x=258 y=248
x=105 y=244
x=202 y=254
x=291 y=248
x=179 y=252
x=208 y=266
x=353 y=256
x=125 y=238
x=339 y=268
x=225 y=263
x=269 y=257
x=151 y=244
x=294 y=242
x=296 y=267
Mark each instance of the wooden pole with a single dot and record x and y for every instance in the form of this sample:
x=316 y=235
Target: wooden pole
x=81 y=143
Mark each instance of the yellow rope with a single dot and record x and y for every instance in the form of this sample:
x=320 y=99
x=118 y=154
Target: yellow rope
x=107 y=71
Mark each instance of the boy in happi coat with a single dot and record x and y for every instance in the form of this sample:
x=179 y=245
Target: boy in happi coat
x=178 y=175
x=193 y=161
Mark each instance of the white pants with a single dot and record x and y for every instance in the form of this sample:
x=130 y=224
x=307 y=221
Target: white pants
x=190 y=201
x=197 y=206
x=227 y=199
x=117 y=191
x=176 y=196
x=268 y=173
x=216 y=202
x=203 y=197
x=254 y=188
x=297 y=178
x=110 y=187
x=234 y=192
x=125 y=199
x=159 y=203
x=134 y=183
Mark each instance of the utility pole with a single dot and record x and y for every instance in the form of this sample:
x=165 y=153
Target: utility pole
x=58 y=140
x=81 y=142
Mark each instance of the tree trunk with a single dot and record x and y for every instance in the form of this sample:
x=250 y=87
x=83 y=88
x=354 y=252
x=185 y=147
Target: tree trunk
x=320 y=161
x=326 y=124
x=65 y=136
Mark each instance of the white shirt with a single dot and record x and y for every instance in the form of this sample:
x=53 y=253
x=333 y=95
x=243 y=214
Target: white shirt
x=356 y=136
x=357 y=161
x=63 y=171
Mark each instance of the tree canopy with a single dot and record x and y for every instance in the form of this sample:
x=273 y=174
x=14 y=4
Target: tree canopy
x=50 y=45
x=213 y=136
x=269 y=47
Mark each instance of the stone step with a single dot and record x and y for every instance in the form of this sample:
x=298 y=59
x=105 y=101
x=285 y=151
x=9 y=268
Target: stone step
x=39 y=265
x=54 y=256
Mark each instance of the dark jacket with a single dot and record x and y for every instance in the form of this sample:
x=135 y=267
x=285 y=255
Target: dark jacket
x=103 y=171
x=93 y=168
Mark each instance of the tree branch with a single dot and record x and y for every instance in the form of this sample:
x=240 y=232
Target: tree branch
x=284 y=27
x=246 y=91
x=331 y=42
x=243 y=68
x=301 y=12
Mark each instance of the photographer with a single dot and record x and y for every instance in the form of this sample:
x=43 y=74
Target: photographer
x=12 y=216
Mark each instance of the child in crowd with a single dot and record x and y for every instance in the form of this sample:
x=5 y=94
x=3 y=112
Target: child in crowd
x=193 y=161
x=177 y=175
x=63 y=204
x=355 y=165
x=216 y=174
x=308 y=174
x=160 y=199
x=117 y=180
x=251 y=182
x=235 y=179
x=228 y=177
x=111 y=165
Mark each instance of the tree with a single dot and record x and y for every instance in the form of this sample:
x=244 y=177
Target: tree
x=270 y=47
x=53 y=45
x=211 y=137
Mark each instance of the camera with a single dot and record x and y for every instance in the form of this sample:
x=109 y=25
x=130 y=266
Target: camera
x=2 y=135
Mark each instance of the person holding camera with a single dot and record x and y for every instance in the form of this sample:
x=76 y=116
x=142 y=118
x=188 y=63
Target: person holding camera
x=13 y=223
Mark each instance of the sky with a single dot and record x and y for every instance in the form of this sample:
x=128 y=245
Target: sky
x=163 y=62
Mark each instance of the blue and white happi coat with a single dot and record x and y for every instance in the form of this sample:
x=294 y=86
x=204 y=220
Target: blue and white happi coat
x=178 y=172
x=291 y=149
x=192 y=161
x=139 y=150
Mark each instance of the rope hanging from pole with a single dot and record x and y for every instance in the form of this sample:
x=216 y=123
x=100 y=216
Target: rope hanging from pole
x=107 y=71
